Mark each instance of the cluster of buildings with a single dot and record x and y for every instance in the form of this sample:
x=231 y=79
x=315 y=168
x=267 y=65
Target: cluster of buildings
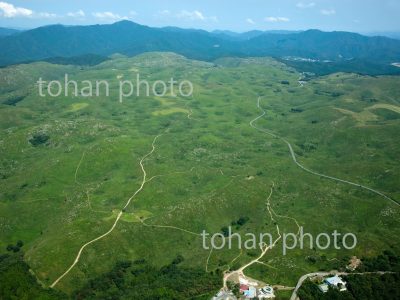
x=249 y=290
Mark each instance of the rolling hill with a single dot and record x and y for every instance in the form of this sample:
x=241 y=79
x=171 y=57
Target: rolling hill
x=69 y=164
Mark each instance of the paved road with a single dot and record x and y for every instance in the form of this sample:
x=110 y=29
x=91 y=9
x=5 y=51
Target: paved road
x=304 y=277
x=293 y=155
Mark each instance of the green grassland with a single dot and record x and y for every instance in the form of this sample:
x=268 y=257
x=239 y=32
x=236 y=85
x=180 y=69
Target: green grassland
x=57 y=195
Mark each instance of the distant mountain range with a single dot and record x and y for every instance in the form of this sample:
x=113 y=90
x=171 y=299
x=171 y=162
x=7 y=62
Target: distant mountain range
x=129 y=38
x=390 y=34
x=231 y=35
x=8 y=31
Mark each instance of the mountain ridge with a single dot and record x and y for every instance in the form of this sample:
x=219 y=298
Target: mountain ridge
x=131 y=38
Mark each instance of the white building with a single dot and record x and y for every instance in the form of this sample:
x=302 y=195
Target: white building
x=336 y=282
x=224 y=295
x=323 y=287
x=267 y=292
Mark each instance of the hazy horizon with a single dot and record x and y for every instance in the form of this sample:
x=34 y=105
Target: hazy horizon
x=326 y=15
x=391 y=34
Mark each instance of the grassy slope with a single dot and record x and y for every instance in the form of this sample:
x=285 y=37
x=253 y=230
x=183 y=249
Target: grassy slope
x=42 y=204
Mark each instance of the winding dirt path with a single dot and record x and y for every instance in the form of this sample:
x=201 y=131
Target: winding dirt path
x=240 y=271
x=78 y=166
x=264 y=248
x=169 y=227
x=118 y=216
x=293 y=155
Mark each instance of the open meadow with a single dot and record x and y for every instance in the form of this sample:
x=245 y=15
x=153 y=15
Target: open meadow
x=68 y=166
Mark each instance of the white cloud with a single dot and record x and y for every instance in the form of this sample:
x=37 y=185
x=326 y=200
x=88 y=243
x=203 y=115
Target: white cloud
x=77 y=14
x=107 y=15
x=133 y=13
x=191 y=15
x=46 y=15
x=10 y=11
x=305 y=5
x=250 y=21
x=164 y=12
x=277 y=19
x=195 y=15
x=328 y=12
x=185 y=15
